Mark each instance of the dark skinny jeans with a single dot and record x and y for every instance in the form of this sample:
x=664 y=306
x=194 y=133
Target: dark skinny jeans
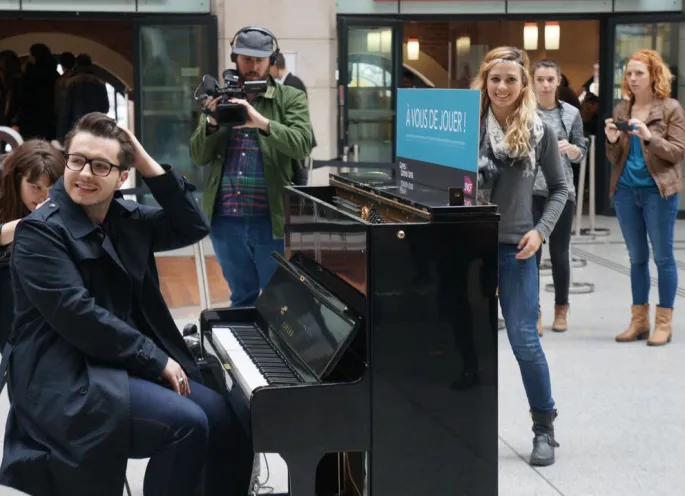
x=559 y=248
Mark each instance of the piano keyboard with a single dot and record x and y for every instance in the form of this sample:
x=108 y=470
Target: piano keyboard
x=255 y=363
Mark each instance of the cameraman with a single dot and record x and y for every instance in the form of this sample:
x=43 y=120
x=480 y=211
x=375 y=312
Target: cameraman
x=249 y=167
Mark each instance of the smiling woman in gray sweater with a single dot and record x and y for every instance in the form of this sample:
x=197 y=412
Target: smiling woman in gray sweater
x=514 y=144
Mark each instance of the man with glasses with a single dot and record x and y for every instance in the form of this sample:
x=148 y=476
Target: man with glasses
x=96 y=368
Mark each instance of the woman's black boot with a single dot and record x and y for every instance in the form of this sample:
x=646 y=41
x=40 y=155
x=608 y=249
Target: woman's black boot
x=543 y=442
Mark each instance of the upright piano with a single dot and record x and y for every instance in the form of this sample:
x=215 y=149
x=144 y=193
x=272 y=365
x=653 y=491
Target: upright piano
x=369 y=364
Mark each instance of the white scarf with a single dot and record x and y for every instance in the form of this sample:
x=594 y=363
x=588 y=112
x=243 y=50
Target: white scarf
x=494 y=153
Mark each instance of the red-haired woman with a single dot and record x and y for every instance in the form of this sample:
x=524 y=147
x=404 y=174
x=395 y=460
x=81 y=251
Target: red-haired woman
x=27 y=174
x=646 y=143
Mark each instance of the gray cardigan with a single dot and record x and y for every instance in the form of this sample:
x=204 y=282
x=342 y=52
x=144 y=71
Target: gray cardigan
x=513 y=193
x=566 y=123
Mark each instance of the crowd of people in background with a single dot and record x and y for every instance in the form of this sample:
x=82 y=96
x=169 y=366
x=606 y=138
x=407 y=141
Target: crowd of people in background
x=38 y=101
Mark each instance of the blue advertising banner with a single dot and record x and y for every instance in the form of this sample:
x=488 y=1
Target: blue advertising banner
x=437 y=138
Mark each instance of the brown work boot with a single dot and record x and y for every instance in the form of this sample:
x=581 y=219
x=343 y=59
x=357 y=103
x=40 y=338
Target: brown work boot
x=639 y=324
x=662 y=327
x=540 y=323
x=560 y=324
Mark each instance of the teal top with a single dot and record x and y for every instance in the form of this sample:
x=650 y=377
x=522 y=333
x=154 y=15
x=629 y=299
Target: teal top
x=635 y=173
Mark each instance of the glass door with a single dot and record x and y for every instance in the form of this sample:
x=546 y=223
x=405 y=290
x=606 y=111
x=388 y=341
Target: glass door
x=171 y=58
x=369 y=68
x=663 y=33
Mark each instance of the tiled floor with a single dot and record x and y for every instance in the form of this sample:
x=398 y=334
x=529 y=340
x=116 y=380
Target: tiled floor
x=621 y=421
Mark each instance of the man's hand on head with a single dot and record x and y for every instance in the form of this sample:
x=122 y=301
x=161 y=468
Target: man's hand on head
x=143 y=162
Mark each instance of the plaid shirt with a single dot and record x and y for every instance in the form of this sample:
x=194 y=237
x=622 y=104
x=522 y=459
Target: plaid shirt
x=243 y=186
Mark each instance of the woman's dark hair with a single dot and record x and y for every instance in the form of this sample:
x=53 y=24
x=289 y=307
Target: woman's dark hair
x=546 y=64
x=31 y=160
x=102 y=126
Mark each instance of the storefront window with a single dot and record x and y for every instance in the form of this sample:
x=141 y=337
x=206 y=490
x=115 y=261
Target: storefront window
x=161 y=6
x=503 y=6
x=368 y=7
x=665 y=38
x=369 y=92
x=557 y=6
x=173 y=59
x=647 y=5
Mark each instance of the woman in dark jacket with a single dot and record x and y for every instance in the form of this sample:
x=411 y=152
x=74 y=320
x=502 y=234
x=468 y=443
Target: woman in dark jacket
x=28 y=173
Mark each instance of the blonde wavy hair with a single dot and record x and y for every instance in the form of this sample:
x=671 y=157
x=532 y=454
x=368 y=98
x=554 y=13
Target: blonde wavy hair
x=520 y=123
x=659 y=73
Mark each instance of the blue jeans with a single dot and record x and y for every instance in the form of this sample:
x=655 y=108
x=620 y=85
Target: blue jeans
x=518 y=297
x=182 y=435
x=243 y=248
x=644 y=213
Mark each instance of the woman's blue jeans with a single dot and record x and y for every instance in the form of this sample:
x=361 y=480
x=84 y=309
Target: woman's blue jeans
x=643 y=213
x=518 y=297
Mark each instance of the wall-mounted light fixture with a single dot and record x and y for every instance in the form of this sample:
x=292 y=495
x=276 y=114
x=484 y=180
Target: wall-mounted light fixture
x=530 y=36
x=413 y=48
x=463 y=45
x=552 y=35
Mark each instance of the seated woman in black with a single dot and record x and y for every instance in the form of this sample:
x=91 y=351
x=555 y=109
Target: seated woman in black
x=27 y=174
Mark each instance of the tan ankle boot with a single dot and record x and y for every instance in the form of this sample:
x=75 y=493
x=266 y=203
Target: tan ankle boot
x=662 y=327
x=540 y=324
x=560 y=324
x=639 y=324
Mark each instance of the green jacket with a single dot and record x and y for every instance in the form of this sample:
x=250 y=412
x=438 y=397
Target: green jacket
x=289 y=138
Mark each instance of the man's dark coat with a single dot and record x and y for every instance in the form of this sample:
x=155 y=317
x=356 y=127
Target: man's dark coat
x=68 y=431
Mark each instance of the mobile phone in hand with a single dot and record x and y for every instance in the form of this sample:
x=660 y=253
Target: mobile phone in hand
x=624 y=126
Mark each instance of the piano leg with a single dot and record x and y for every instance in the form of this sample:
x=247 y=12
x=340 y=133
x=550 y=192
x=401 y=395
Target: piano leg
x=302 y=469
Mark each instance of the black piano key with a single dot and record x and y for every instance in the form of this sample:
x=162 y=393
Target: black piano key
x=270 y=363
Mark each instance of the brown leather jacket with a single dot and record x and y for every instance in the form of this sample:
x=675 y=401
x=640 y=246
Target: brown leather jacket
x=664 y=152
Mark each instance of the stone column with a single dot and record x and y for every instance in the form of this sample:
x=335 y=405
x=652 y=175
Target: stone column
x=304 y=27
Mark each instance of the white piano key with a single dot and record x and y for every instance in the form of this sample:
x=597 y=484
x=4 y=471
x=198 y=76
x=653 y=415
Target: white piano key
x=273 y=475
x=242 y=365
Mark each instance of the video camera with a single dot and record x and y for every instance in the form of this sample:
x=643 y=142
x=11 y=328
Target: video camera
x=228 y=114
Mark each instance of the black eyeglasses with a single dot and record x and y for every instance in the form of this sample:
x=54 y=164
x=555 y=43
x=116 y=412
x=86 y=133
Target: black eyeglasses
x=98 y=166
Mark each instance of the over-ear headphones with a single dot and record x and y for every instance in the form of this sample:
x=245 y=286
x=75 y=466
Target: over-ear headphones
x=275 y=49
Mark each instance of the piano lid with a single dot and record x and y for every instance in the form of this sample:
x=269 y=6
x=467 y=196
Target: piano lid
x=421 y=197
x=312 y=323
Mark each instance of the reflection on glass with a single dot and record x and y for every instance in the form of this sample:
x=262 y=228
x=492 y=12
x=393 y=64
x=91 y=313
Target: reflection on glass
x=633 y=37
x=304 y=322
x=173 y=59
x=370 y=99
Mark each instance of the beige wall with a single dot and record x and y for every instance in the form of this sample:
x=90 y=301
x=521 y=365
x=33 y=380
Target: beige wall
x=306 y=27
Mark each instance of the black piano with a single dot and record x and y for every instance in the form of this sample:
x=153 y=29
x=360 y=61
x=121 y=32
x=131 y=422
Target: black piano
x=369 y=364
